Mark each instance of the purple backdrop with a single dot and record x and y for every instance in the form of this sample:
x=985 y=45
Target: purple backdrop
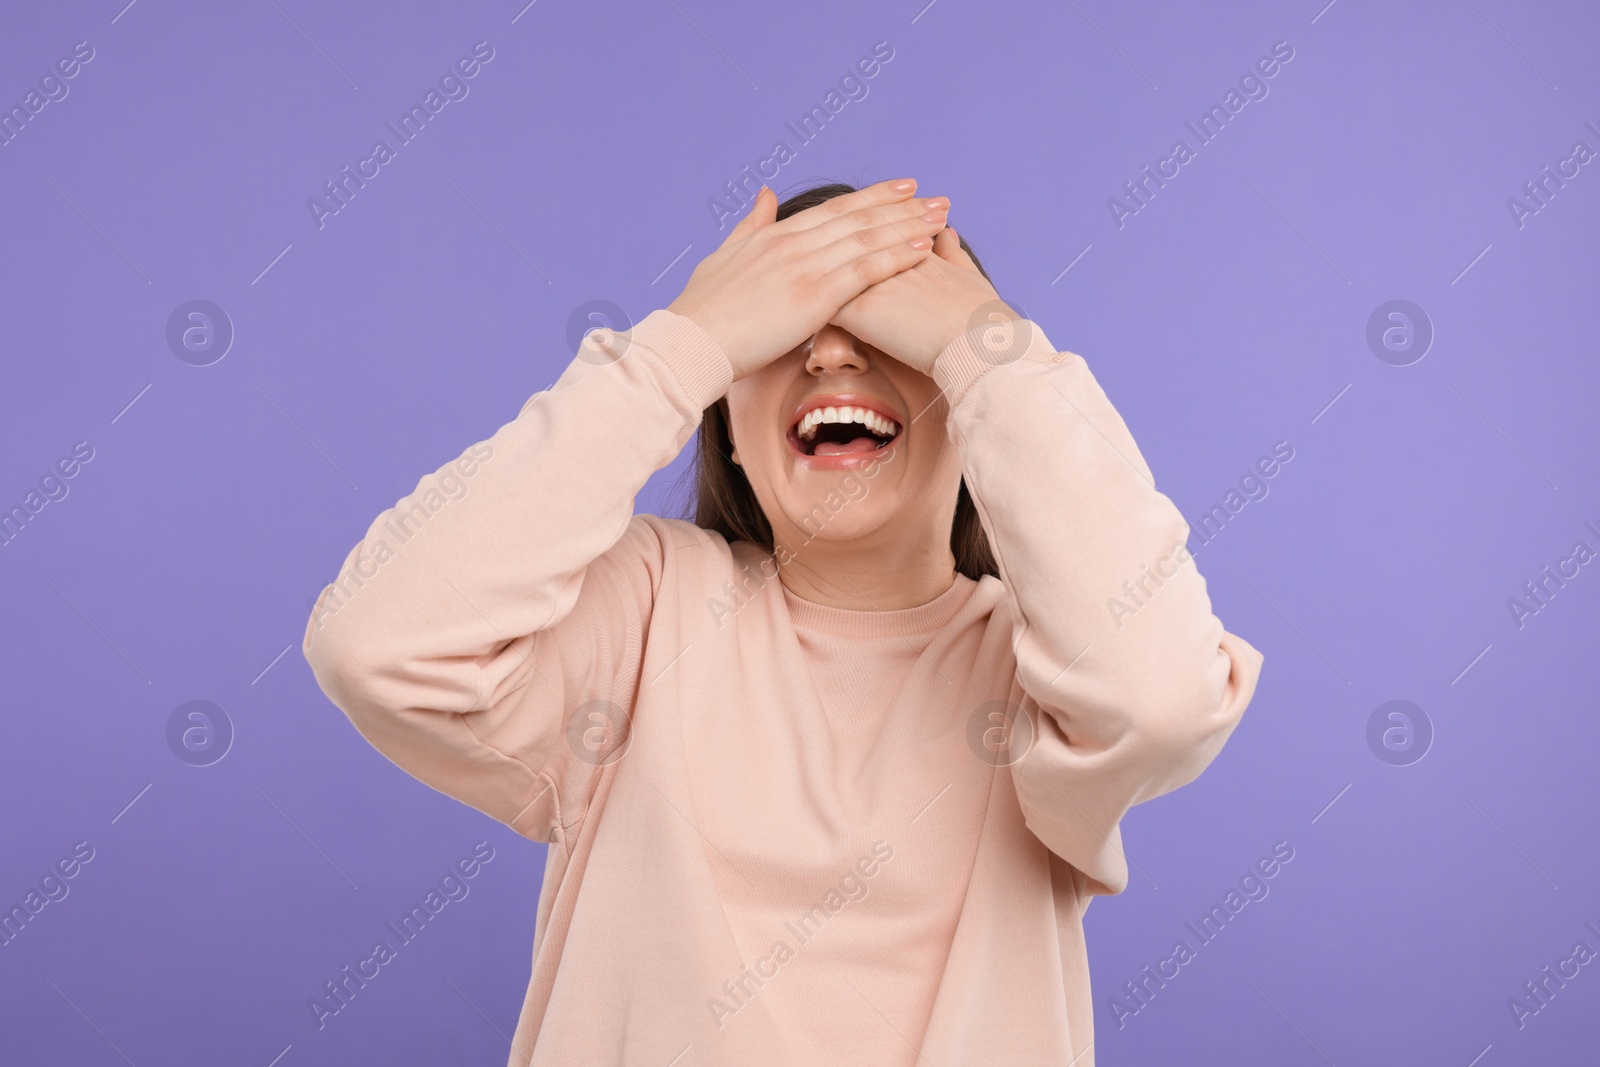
x=1371 y=258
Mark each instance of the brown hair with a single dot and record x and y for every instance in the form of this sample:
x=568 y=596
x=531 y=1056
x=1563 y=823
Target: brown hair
x=723 y=498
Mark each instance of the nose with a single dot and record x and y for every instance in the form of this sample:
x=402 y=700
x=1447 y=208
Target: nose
x=833 y=348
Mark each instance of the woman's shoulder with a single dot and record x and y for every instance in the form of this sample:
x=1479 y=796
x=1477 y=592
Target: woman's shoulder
x=680 y=545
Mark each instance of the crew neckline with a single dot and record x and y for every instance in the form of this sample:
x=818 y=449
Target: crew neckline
x=850 y=622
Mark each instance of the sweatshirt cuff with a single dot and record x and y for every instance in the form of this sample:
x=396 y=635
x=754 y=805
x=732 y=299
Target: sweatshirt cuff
x=695 y=358
x=986 y=346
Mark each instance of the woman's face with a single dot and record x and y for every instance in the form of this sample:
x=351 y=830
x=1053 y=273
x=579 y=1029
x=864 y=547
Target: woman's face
x=839 y=481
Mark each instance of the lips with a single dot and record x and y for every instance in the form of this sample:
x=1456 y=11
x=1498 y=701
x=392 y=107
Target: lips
x=836 y=431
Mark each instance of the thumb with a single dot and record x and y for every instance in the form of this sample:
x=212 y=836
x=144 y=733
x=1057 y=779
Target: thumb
x=948 y=247
x=763 y=212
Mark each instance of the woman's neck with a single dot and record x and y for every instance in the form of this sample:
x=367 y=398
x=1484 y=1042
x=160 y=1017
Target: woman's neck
x=862 y=576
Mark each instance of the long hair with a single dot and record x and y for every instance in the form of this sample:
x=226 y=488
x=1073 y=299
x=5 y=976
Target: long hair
x=723 y=498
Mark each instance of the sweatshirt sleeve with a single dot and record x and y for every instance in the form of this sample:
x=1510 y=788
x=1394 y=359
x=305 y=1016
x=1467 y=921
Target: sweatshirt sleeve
x=486 y=633
x=1136 y=684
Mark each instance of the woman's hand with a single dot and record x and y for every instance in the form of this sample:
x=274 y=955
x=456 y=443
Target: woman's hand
x=773 y=284
x=914 y=314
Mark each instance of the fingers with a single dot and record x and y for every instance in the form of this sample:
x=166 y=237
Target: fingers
x=947 y=246
x=763 y=212
x=913 y=218
x=855 y=243
x=879 y=196
x=863 y=270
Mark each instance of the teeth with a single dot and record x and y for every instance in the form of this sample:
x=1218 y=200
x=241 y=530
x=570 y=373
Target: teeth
x=870 y=419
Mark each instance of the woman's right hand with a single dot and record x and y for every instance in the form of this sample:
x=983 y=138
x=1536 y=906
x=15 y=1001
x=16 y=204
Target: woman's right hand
x=773 y=284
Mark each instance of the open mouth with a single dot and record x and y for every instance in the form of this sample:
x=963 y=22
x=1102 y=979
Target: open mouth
x=842 y=431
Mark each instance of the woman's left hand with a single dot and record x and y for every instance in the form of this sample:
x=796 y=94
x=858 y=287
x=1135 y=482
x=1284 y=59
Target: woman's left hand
x=915 y=314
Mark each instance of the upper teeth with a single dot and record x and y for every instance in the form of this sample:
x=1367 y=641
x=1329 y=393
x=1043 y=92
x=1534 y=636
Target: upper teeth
x=870 y=419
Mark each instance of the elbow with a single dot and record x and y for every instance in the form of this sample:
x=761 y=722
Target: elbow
x=341 y=662
x=1186 y=725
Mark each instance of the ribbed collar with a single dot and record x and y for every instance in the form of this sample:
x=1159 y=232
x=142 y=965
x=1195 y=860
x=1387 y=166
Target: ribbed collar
x=845 y=622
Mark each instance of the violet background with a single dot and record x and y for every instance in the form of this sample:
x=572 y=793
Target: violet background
x=1230 y=313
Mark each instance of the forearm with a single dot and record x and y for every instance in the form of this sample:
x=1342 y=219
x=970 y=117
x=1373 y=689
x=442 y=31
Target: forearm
x=442 y=584
x=1114 y=634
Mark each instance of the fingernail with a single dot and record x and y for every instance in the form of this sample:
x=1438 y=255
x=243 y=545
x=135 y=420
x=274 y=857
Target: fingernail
x=922 y=242
x=903 y=185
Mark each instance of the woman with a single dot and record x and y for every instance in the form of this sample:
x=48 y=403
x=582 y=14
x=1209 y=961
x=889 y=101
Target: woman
x=830 y=775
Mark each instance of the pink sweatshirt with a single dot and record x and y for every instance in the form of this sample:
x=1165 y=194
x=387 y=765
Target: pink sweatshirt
x=782 y=833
